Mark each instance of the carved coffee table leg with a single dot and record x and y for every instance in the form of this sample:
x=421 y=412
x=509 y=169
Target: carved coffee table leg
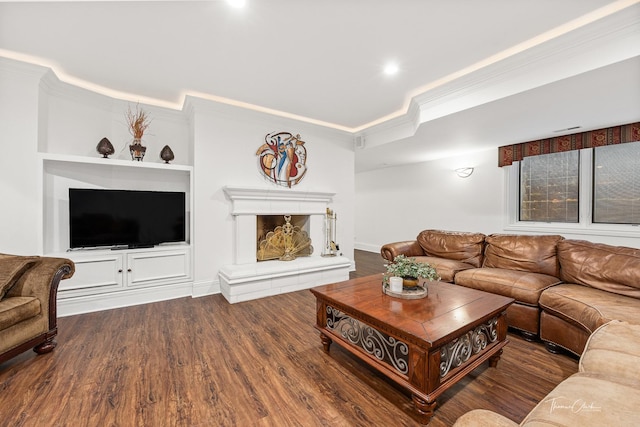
x=493 y=360
x=326 y=341
x=424 y=409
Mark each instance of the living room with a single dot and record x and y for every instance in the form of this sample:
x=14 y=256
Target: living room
x=388 y=175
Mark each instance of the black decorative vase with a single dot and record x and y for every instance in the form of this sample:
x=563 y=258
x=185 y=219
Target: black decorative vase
x=166 y=154
x=105 y=148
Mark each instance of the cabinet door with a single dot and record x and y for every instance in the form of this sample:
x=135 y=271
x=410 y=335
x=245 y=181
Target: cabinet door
x=94 y=274
x=158 y=267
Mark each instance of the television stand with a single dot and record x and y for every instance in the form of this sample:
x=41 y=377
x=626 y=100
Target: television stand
x=110 y=278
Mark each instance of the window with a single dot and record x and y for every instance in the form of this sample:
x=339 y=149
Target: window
x=616 y=184
x=589 y=191
x=549 y=187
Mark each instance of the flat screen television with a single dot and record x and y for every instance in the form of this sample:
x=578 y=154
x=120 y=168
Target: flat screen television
x=125 y=218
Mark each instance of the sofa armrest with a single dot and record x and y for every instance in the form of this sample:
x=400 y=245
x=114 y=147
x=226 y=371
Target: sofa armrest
x=409 y=248
x=41 y=281
x=483 y=418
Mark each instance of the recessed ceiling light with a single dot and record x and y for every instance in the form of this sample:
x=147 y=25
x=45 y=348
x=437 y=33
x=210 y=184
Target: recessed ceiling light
x=391 y=68
x=237 y=3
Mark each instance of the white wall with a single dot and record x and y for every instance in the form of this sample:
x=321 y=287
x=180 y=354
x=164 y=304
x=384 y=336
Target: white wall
x=40 y=114
x=373 y=208
x=226 y=140
x=396 y=203
x=74 y=120
x=19 y=185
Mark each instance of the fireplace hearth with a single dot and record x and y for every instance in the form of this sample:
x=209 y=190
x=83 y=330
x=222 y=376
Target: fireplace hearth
x=246 y=278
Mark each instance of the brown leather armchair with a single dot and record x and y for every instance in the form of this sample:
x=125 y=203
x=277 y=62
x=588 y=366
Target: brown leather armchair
x=28 y=291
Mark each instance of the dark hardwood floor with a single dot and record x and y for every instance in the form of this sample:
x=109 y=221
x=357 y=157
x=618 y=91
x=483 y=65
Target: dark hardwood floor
x=205 y=362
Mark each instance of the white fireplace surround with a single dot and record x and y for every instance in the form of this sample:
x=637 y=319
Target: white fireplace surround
x=247 y=278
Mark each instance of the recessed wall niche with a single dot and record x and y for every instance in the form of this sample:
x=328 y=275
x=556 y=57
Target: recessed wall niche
x=63 y=172
x=73 y=120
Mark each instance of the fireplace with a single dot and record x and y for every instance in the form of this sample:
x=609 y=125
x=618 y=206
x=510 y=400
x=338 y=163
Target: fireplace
x=246 y=278
x=283 y=237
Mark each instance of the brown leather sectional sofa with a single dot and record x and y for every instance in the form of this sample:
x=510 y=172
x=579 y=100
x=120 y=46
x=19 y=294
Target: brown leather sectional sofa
x=563 y=289
x=600 y=283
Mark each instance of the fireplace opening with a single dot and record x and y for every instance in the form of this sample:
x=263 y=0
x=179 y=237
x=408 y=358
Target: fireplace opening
x=282 y=237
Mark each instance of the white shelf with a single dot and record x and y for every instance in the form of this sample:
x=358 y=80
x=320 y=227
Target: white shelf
x=113 y=162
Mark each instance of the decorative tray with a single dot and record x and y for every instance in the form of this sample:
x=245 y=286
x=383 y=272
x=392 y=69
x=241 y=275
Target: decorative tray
x=415 y=293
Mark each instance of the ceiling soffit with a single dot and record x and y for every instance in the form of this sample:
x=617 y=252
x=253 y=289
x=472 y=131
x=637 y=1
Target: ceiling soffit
x=606 y=41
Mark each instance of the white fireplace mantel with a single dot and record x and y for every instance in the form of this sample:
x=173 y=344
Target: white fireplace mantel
x=247 y=278
x=260 y=201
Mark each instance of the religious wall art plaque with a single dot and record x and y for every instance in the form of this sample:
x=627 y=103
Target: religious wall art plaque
x=282 y=158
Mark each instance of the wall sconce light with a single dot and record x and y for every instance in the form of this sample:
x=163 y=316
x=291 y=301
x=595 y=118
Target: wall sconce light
x=464 y=172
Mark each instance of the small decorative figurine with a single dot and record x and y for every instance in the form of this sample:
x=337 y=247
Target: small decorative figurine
x=105 y=148
x=167 y=154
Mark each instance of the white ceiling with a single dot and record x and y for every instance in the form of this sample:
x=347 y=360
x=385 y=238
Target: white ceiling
x=473 y=74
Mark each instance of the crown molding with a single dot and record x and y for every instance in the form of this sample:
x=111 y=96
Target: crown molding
x=603 y=42
x=195 y=104
x=606 y=36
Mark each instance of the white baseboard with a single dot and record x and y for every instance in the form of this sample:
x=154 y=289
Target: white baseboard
x=209 y=287
x=124 y=298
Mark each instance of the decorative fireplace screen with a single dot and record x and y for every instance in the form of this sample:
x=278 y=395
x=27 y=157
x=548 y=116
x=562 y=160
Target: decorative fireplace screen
x=286 y=242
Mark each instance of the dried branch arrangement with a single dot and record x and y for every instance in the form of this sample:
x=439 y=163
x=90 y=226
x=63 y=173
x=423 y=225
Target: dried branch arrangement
x=138 y=121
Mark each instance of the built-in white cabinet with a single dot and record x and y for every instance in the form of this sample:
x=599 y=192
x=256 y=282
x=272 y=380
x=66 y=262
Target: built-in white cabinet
x=107 y=271
x=107 y=278
x=71 y=122
x=95 y=273
x=159 y=267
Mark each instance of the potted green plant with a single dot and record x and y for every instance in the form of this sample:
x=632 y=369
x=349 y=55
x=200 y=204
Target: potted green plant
x=410 y=270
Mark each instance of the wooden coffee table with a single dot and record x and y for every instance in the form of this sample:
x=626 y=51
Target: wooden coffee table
x=426 y=345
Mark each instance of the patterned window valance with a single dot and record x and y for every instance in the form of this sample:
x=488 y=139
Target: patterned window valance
x=595 y=138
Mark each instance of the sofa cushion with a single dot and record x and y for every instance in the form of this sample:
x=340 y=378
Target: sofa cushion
x=11 y=268
x=484 y=418
x=536 y=254
x=16 y=309
x=446 y=268
x=588 y=307
x=523 y=286
x=610 y=268
x=458 y=246
x=587 y=400
x=614 y=350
